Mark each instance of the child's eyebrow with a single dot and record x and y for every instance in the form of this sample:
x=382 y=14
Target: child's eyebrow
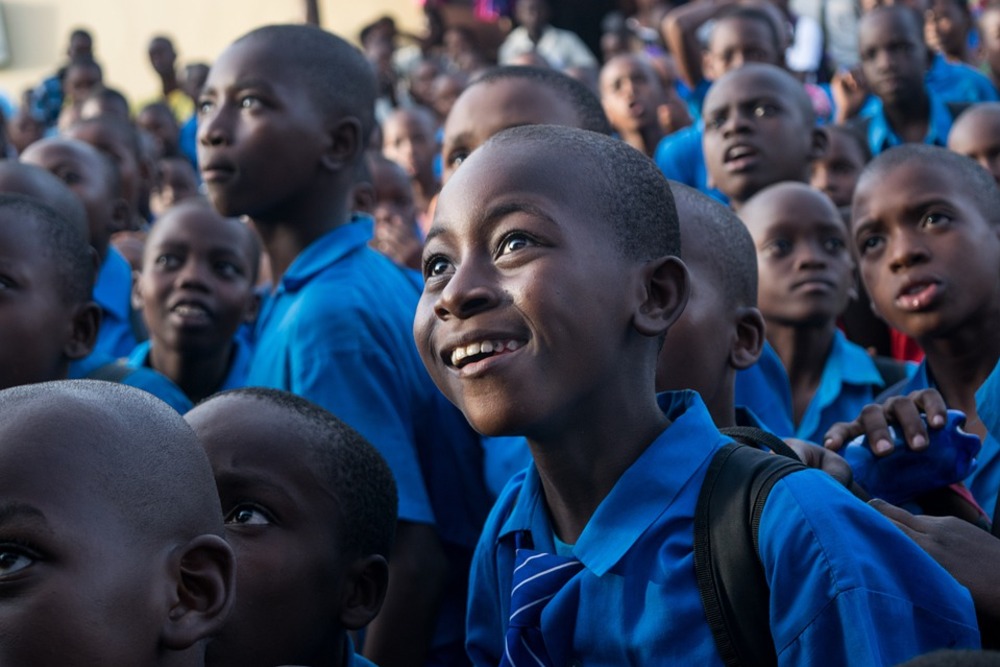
x=10 y=512
x=503 y=209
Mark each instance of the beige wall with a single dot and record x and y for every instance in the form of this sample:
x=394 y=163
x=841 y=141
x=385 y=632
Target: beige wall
x=37 y=31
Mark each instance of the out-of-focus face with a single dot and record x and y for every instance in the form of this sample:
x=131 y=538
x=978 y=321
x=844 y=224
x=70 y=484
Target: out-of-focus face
x=630 y=93
x=836 y=173
x=893 y=55
x=976 y=134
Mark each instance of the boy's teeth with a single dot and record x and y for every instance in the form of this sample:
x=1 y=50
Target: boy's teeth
x=483 y=347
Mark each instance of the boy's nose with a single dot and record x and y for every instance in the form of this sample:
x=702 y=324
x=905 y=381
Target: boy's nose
x=906 y=250
x=212 y=130
x=468 y=292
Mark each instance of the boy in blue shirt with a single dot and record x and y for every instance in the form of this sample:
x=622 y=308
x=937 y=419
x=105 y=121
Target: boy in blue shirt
x=195 y=291
x=806 y=279
x=551 y=280
x=284 y=119
x=310 y=510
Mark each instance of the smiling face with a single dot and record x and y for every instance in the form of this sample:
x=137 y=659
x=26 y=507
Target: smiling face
x=630 y=93
x=757 y=131
x=502 y=325
x=928 y=256
x=196 y=286
x=283 y=524
x=487 y=108
x=804 y=266
x=260 y=134
x=65 y=575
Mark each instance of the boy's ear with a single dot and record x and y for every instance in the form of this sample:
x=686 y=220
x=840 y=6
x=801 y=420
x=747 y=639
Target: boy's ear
x=345 y=145
x=819 y=143
x=749 y=341
x=137 y=302
x=252 y=307
x=365 y=583
x=666 y=285
x=83 y=334
x=203 y=584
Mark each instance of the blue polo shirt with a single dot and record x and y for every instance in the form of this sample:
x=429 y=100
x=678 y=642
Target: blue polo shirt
x=958 y=82
x=337 y=330
x=113 y=293
x=849 y=382
x=142 y=378
x=681 y=158
x=881 y=137
x=984 y=482
x=988 y=402
x=847 y=587
x=239 y=366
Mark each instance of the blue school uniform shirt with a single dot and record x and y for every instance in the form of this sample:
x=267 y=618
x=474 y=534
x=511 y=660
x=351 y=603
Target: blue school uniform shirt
x=988 y=402
x=337 y=330
x=958 y=82
x=680 y=157
x=847 y=587
x=881 y=137
x=239 y=366
x=146 y=379
x=984 y=482
x=849 y=382
x=113 y=293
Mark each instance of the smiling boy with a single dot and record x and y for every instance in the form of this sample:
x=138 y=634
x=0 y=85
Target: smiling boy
x=550 y=282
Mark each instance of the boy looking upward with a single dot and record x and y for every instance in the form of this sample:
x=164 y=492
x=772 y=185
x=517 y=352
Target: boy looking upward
x=284 y=119
x=550 y=281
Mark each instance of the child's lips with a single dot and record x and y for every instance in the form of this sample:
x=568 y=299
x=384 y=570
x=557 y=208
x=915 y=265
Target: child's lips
x=217 y=172
x=740 y=158
x=191 y=314
x=918 y=295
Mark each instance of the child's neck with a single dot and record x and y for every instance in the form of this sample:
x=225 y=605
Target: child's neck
x=580 y=460
x=644 y=139
x=803 y=351
x=169 y=83
x=911 y=119
x=287 y=234
x=197 y=376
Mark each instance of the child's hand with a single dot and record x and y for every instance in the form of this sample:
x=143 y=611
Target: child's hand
x=849 y=92
x=829 y=462
x=903 y=411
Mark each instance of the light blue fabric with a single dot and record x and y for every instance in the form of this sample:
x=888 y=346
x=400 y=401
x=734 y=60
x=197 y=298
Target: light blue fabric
x=984 y=482
x=847 y=587
x=958 y=82
x=113 y=293
x=881 y=137
x=850 y=381
x=338 y=331
x=763 y=388
x=143 y=378
x=680 y=157
x=988 y=402
x=239 y=366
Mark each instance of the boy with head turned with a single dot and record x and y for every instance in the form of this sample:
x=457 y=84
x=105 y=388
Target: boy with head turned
x=310 y=510
x=195 y=290
x=836 y=173
x=408 y=138
x=83 y=467
x=508 y=96
x=551 y=281
x=632 y=94
x=394 y=209
x=806 y=277
x=760 y=129
x=47 y=319
x=976 y=134
x=284 y=120
x=926 y=229
x=94 y=179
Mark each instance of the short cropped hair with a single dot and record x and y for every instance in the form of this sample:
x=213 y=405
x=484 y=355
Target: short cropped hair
x=733 y=255
x=125 y=130
x=65 y=243
x=979 y=182
x=338 y=77
x=348 y=465
x=854 y=135
x=628 y=189
x=583 y=100
x=751 y=13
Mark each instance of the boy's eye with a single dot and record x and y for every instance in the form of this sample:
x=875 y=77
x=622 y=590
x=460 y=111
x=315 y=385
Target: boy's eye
x=168 y=262
x=935 y=220
x=765 y=110
x=513 y=242
x=715 y=122
x=456 y=158
x=834 y=244
x=204 y=106
x=248 y=515
x=778 y=248
x=436 y=265
x=14 y=559
x=228 y=270
x=869 y=243
x=250 y=102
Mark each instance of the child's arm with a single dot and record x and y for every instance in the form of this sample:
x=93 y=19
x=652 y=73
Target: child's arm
x=680 y=32
x=401 y=633
x=969 y=553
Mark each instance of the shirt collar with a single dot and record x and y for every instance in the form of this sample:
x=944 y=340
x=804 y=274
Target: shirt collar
x=882 y=137
x=327 y=250
x=643 y=493
x=114 y=279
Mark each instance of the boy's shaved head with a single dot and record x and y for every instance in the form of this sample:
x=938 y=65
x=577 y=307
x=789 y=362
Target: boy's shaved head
x=980 y=183
x=65 y=241
x=32 y=181
x=722 y=242
x=338 y=76
x=131 y=448
x=588 y=107
x=351 y=468
x=623 y=179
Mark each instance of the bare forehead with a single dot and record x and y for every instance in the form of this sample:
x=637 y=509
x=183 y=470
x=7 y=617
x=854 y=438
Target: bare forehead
x=746 y=86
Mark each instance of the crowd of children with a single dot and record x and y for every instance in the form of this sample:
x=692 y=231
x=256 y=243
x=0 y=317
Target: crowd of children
x=449 y=343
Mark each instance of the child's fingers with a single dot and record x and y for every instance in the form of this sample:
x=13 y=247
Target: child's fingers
x=905 y=521
x=842 y=433
x=903 y=411
x=931 y=403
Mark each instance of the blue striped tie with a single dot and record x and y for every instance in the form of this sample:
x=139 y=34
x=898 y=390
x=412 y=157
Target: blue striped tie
x=538 y=577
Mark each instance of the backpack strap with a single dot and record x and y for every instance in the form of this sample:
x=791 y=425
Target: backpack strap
x=761 y=439
x=113 y=371
x=731 y=581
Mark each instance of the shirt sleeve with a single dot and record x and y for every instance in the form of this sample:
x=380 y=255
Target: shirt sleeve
x=847 y=587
